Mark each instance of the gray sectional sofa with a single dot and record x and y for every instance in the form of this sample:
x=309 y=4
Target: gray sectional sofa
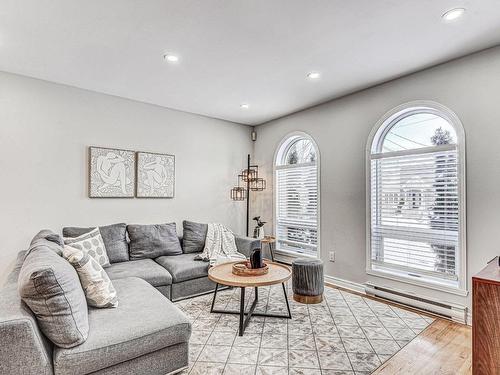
x=145 y=334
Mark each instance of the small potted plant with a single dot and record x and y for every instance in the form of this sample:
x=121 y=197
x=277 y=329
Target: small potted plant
x=258 y=231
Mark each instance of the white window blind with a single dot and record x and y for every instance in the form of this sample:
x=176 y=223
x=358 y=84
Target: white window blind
x=415 y=211
x=297 y=207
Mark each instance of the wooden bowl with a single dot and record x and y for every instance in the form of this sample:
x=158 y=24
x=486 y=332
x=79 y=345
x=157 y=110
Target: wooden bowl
x=244 y=269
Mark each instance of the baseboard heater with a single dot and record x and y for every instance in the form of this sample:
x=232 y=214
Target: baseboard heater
x=455 y=312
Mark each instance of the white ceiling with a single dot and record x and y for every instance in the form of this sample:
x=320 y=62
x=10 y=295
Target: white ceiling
x=254 y=51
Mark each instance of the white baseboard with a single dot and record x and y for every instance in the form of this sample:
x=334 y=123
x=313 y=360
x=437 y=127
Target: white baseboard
x=349 y=285
x=360 y=288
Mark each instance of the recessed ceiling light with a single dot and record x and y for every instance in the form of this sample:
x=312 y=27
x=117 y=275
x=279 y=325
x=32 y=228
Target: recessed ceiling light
x=453 y=14
x=170 y=58
x=244 y=106
x=313 y=75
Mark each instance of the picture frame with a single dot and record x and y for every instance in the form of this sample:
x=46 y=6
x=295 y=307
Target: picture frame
x=155 y=175
x=112 y=173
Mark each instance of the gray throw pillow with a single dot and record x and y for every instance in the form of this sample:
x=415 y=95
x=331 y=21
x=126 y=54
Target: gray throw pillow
x=47 y=234
x=153 y=241
x=114 y=237
x=193 y=237
x=49 y=285
x=49 y=239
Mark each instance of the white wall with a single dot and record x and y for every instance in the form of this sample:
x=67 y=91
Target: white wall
x=45 y=131
x=470 y=87
x=46 y=128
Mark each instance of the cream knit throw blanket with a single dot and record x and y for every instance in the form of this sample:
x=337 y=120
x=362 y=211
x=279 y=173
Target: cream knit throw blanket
x=220 y=246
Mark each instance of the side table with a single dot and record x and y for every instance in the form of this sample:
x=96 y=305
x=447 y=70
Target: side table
x=270 y=241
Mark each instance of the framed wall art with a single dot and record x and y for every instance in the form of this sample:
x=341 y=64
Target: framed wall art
x=111 y=173
x=155 y=175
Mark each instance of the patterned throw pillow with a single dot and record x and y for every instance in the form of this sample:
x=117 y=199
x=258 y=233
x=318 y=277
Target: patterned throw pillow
x=98 y=289
x=92 y=244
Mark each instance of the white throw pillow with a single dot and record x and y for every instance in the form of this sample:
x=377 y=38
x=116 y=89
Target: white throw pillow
x=92 y=244
x=98 y=289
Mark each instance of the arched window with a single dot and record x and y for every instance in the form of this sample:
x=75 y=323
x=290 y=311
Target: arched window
x=297 y=195
x=416 y=195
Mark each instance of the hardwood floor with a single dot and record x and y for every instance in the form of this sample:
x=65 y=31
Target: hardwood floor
x=443 y=348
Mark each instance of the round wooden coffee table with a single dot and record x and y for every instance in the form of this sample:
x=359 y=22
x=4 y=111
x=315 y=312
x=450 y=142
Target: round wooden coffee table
x=223 y=275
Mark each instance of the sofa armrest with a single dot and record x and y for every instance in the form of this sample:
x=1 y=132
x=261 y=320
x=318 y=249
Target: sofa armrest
x=245 y=245
x=23 y=348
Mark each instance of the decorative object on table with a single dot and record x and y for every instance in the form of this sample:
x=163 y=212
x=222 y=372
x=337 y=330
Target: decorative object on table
x=258 y=231
x=252 y=182
x=155 y=175
x=307 y=280
x=111 y=173
x=256 y=258
x=245 y=269
x=270 y=241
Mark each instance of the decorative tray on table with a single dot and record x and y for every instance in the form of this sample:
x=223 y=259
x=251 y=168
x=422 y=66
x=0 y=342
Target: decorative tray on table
x=244 y=269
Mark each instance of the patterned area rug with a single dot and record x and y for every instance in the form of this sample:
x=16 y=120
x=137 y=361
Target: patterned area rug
x=345 y=335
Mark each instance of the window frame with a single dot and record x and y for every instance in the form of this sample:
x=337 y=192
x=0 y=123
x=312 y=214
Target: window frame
x=280 y=151
x=375 y=139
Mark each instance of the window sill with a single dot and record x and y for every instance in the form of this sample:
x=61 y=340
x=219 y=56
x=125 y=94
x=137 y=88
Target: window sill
x=292 y=254
x=421 y=282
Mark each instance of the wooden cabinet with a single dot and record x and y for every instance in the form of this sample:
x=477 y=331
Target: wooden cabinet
x=486 y=320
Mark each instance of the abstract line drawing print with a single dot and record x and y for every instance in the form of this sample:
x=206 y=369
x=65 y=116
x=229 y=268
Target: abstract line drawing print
x=112 y=173
x=155 y=175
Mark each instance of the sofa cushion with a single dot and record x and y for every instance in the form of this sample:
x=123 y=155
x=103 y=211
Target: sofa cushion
x=51 y=237
x=114 y=237
x=49 y=285
x=245 y=245
x=184 y=267
x=152 y=241
x=145 y=321
x=194 y=235
x=146 y=269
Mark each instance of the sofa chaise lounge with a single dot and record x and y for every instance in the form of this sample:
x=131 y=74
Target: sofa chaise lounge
x=145 y=334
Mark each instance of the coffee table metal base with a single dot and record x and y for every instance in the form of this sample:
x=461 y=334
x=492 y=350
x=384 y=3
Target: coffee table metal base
x=246 y=316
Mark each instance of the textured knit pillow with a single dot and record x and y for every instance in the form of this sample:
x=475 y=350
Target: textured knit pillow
x=92 y=244
x=98 y=289
x=153 y=241
x=114 y=237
